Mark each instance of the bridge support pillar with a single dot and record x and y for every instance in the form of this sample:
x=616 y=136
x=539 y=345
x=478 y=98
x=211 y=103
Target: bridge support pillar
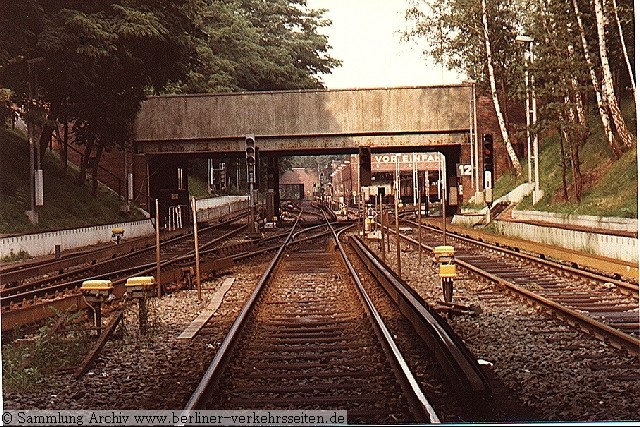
x=451 y=182
x=273 y=187
x=364 y=171
x=169 y=184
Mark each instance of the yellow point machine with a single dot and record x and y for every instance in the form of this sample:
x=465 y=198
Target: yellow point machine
x=444 y=256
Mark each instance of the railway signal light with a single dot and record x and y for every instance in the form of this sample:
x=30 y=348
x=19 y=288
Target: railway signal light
x=487 y=144
x=250 y=149
x=223 y=176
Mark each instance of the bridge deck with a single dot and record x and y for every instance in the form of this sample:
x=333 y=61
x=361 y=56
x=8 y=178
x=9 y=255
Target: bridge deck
x=306 y=121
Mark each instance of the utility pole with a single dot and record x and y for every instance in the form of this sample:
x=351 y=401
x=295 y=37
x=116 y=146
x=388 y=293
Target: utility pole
x=33 y=198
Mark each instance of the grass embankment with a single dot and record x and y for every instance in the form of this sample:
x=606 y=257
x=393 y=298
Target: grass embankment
x=610 y=187
x=28 y=365
x=66 y=204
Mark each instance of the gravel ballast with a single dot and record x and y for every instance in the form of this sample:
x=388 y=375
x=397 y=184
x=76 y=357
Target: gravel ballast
x=559 y=372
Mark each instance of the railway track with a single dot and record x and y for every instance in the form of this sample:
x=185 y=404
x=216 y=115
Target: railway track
x=309 y=337
x=553 y=371
x=600 y=305
x=98 y=262
x=118 y=269
x=217 y=246
x=32 y=274
x=221 y=243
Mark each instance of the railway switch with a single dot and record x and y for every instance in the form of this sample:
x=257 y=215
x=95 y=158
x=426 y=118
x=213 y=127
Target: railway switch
x=96 y=292
x=444 y=256
x=116 y=234
x=100 y=290
x=141 y=288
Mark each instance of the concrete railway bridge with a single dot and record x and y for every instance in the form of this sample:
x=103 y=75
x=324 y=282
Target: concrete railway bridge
x=171 y=129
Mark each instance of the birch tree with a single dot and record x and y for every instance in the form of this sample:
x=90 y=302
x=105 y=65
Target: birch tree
x=494 y=94
x=628 y=140
x=453 y=32
x=600 y=100
x=562 y=76
x=624 y=48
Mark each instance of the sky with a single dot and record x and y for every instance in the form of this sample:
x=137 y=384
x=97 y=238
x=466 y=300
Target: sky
x=365 y=36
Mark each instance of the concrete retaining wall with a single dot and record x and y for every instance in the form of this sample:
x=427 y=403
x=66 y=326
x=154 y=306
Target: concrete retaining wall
x=470 y=219
x=605 y=223
x=214 y=202
x=45 y=243
x=617 y=247
x=207 y=211
x=519 y=193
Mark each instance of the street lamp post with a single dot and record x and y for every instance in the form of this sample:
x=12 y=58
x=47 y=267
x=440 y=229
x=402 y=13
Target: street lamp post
x=34 y=157
x=473 y=135
x=532 y=118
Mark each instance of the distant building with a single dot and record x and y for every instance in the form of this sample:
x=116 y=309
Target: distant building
x=298 y=183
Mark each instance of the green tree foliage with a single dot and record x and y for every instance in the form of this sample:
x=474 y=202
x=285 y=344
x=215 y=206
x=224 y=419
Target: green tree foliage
x=99 y=57
x=5 y=105
x=259 y=45
x=451 y=32
x=95 y=62
x=91 y=63
x=566 y=84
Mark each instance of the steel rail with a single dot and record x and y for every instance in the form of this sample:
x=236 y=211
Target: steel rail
x=21 y=273
x=8 y=300
x=606 y=333
x=42 y=310
x=22 y=290
x=108 y=254
x=38 y=311
x=203 y=390
x=459 y=364
x=631 y=287
x=201 y=394
x=32 y=313
x=251 y=254
x=413 y=389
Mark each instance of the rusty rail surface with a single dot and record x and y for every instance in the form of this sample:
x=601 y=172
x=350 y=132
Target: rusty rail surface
x=97 y=347
x=202 y=391
x=473 y=381
x=90 y=257
x=460 y=365
x=482 y=266
x=24 y=308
